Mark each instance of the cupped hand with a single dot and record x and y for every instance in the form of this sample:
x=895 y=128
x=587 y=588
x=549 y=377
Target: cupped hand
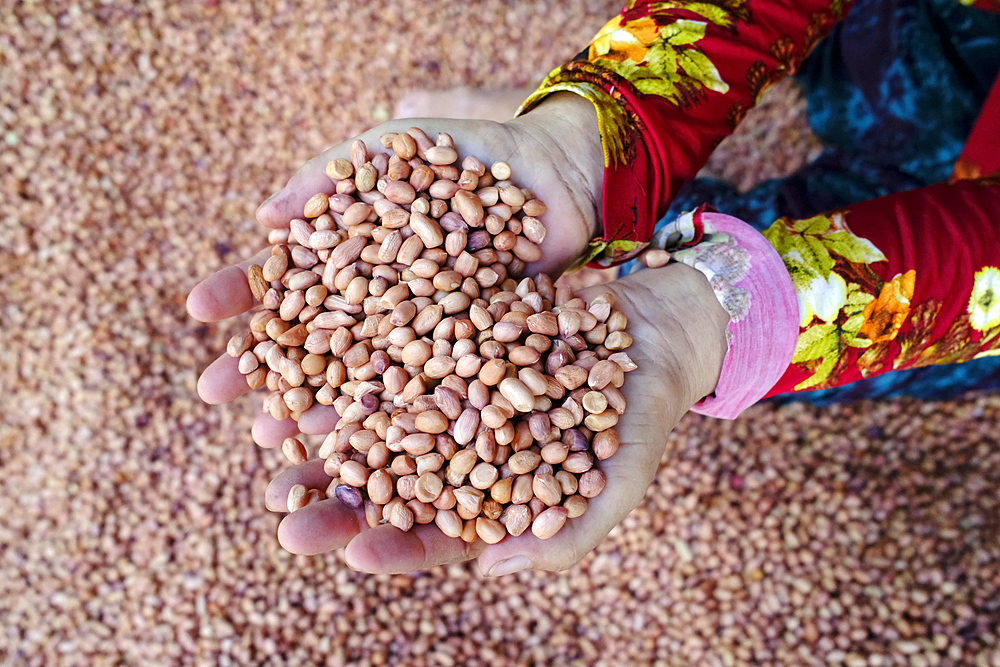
x=555 y=151
x=675 y=320
x=679 y=333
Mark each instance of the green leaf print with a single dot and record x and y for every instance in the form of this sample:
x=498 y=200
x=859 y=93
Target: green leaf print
x=717 y=15
x=855 y=312
x=723 y=14
x=697 y=66
x=670 y=69
x=821 y=262
x=818 y=342
x=853 y=248
x=682 y=32
x=815 y=343
x=815 y=225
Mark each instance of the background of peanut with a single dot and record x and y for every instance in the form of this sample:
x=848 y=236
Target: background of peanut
x=137 y=140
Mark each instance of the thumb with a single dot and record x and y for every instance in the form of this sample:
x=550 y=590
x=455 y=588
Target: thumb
x=642 y=431
x=656 y=396
x=576 y=539
x=629 y=473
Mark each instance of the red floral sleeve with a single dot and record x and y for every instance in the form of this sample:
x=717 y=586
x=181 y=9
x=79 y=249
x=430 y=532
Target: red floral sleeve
x=898 y=282
x=988 y=5
x=902 y=281
x=670 y=80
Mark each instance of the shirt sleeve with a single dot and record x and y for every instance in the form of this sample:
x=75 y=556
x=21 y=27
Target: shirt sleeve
x=986 y=5
x=669 y=81
x=902 y=281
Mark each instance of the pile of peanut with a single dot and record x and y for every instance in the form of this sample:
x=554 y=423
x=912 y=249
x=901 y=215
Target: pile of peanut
x=468 y=395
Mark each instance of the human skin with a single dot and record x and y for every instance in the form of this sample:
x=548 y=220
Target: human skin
x=674 y=318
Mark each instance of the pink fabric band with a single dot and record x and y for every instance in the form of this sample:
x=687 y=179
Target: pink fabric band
x=753 y=285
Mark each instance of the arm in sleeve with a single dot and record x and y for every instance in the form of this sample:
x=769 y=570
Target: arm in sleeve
x=670 y=80
x=902 y=281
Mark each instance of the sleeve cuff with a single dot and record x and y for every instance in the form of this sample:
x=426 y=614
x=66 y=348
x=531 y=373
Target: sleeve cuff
x=753 y=285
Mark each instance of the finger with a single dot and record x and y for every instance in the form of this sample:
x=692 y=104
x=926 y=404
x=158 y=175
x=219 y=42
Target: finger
x=628 y=478
x=643 y=433
x=269 y=433
x=567 y=234
x=225 y=293
x=310 y=474
x=222 y=381
x=388 y=550
x=289 y=202
x=319 y=420
x=319 y=528
x=576 y=539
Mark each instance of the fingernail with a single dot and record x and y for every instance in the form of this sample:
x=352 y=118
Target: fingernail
x=509 y=566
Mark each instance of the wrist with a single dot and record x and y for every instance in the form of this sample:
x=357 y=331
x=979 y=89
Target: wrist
x=679 y=329
x=753 y=287
x=567 y=124
x=704 y=323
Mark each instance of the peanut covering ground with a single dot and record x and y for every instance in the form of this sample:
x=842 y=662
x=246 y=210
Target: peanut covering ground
x=138 y=140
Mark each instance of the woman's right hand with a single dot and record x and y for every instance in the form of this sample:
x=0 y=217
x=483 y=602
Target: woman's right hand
x=679 y=331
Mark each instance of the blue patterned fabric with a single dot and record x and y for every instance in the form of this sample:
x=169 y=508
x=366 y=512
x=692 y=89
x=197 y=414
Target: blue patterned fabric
x=893 y=91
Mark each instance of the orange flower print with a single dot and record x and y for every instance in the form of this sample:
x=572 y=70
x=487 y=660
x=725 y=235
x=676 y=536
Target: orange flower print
x=965 y=169
x=884 y=316
x=619 y=40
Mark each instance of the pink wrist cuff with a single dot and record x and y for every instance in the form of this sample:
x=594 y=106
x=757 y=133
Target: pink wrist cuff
x=753 y=286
